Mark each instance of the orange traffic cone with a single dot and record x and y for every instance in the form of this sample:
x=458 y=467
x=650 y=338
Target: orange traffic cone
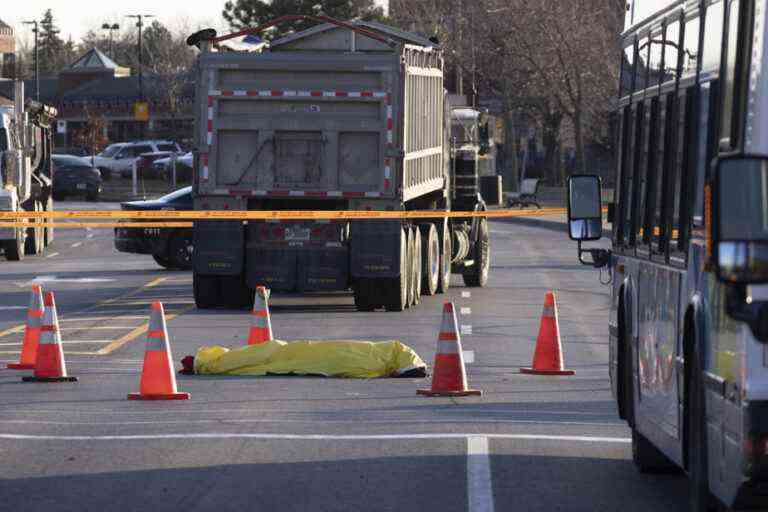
x=548 y=358
x=158 y=381
x=449 y=377
x=49 y=361
x=261 y=325
x=31 y=331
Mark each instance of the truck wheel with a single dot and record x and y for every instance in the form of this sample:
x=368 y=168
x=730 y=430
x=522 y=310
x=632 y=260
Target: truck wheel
x=417 y=256
x=235 y=293
x=430 y=259
x=410 y=259
x=477 y=275
x=364 y=296
x=445 y=258
x=396 y=288
x=14 y=249
x=161 y=260
x=48 y=235
x=207 y=291
x=35 y=242
x=180 y=250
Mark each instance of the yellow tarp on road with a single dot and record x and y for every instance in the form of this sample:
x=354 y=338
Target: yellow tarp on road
x=350 y=359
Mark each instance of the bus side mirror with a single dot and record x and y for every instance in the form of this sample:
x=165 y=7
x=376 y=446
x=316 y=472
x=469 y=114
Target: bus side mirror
x=585 y=216
x=738 y=219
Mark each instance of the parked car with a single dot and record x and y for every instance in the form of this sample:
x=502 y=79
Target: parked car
x=119 y=157
x=145 y=164
x=73 y=151
x=162 y=167
x=74 y=175
x=170 y=247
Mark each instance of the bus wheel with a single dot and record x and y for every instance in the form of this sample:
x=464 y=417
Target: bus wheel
x=647 y=458
x=701 y=500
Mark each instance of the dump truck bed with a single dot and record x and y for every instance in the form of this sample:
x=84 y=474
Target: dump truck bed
x=313 y=122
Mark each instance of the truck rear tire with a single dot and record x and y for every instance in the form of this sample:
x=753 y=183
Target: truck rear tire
x=364 y=291
x=445 y=258
x=235 y=293
x=35 y=242
x=207 y=291
x=48 y=234
x=430 y=259
x=14 y=249
x=180 y=248
x=410 y=260
x=162 y=261
x=477 y=274
x=417 y=256
x=396 y=288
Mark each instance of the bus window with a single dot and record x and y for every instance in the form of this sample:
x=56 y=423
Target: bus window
x=627 y=71
x=705 y=148
x=691 y=47
x=639 y=168
x=732 y=78
x=651 y=173
x=642 y=68
x=665 y=180
x=671 y=53
x=713 y=38
x=656 y=72
x=627 y=178
x=624 y=159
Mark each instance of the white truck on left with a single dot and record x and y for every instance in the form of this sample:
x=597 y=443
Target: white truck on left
x=26 y=172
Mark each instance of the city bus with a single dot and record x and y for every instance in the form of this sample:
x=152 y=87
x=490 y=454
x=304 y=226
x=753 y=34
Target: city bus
x=688 y=260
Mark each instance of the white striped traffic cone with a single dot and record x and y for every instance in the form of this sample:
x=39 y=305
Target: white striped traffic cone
x=49 y=363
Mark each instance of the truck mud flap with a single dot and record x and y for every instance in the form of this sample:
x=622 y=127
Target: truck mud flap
x=219 y=248
x=298 y=270
x=375 y=249
x=323 y=270
x=275 y=269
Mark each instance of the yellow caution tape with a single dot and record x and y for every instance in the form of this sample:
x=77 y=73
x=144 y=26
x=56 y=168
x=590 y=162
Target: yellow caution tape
x=184 y=218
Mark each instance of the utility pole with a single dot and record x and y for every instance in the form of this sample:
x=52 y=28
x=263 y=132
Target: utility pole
x=37 y=60
x=111 y=28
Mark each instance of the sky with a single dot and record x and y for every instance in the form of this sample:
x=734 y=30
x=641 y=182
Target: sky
x=75 y=17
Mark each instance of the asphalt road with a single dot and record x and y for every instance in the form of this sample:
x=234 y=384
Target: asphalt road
x=290 y=443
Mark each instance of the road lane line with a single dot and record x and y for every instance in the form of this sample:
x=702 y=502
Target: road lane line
x=52 y=255
x=466 y=311
x=138 y=331
x=78 y=244
x=12 y=330
x=466 y=329
x=479 y=488
x=314 y=437
x=156 y=282
x=466 y=295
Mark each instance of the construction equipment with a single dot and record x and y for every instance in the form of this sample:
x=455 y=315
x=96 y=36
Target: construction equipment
x=26 y=173
x=342 y=116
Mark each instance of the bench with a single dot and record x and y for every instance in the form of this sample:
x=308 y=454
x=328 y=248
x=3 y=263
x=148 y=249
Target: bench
x=527 y=195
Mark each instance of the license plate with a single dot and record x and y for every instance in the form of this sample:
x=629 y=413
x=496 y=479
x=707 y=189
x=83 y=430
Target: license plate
x=296 y=233
x=81 y=186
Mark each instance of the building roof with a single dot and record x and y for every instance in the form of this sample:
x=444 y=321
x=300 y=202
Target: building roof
x=94 y=59
x=5 y=29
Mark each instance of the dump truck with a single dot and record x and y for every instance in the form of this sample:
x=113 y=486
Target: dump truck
x=26 y=179
x=341 y=116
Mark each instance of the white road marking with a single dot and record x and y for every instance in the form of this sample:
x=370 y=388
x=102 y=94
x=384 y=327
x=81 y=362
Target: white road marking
x=78 y=244
x=52 y=255
x=469 y=356
x=54 y=279
x=466 y=295
x=479 y=488
x=74 y=342
x=466 y=311
x=352 y=421
x=8 y=308
x=466 y=329
x=315 y=437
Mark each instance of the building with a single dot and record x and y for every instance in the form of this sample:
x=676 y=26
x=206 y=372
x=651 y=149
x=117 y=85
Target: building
x=7 y=50
x=95 y=87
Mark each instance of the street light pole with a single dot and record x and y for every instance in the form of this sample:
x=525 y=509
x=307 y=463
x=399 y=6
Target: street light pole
x=37 y=60
x=111 y=28
x=140 y=24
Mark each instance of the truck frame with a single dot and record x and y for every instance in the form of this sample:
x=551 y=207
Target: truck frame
x=26 y=173
x=342 y=116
